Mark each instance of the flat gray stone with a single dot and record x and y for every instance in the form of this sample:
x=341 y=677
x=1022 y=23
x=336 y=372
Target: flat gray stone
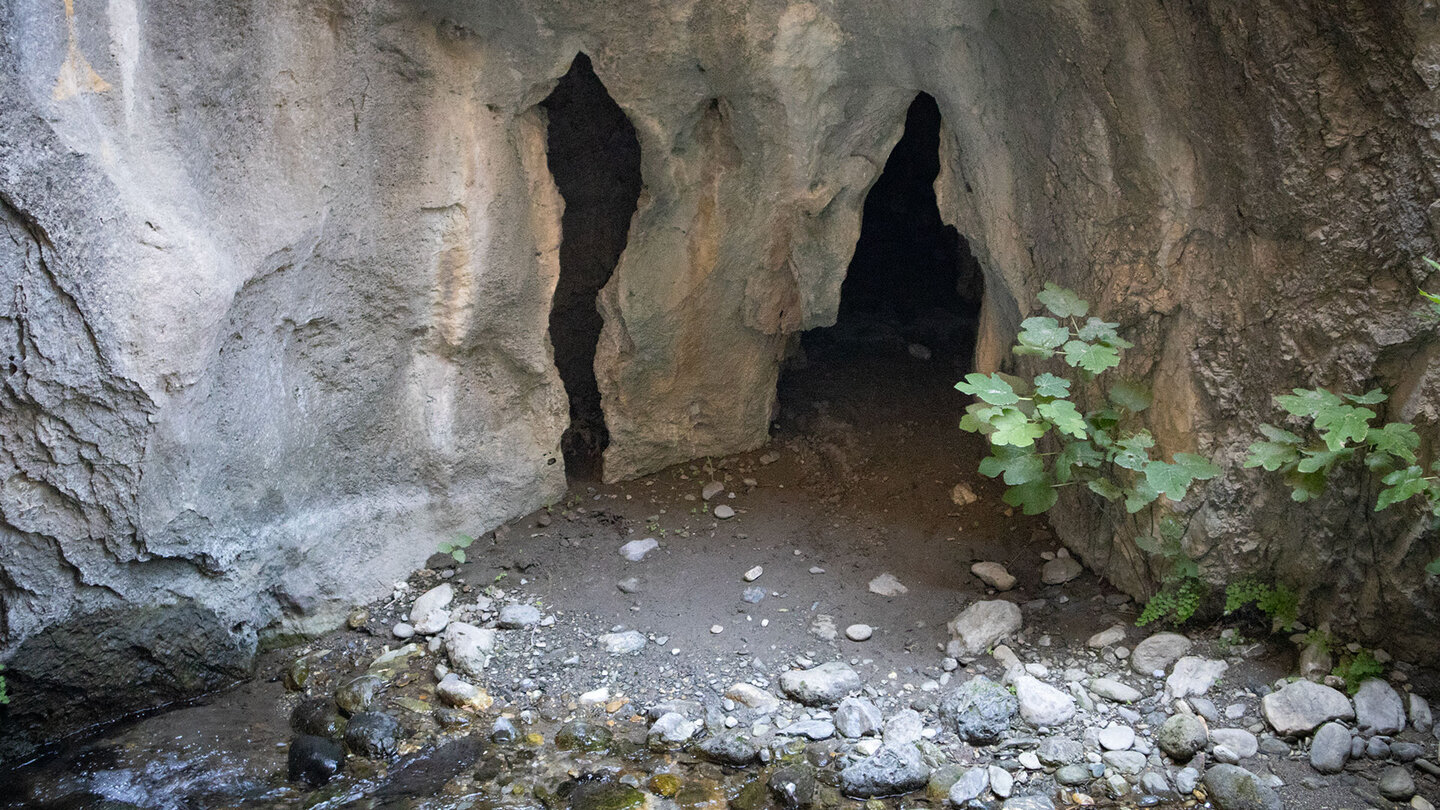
x=1302 y=706
x=1111 y=689
x=1378 y=708
x=1231 y=787
x=1330 y=749
x=635 y=550
x=1158 y=652
x=890 y=771
x=981 y=626
x=1193 y=676
x=1242 y=742
x=622 y=643
x=857 y=717
x=1041 y=704
x=825 y=685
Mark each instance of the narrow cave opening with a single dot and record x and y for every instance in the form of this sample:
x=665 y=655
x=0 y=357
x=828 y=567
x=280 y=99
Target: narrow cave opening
x=884 y=374
x=594 y=156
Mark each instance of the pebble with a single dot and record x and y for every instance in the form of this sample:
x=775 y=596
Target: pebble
x=1072 y=775
x=859 y=632
x=753 y=697
x=622 y=643
x=403 y=630
x=1116 y=737
x=432 y=622
x=716 y=629
x=962 y=495
x=1396 y=784
x=887 y=585
x=711 y=489
x=1001 y=782
x=753 y=574
x=635 y=550
x=724 y=512
x=1158 y=652
x=994 y=575
x=1114 y=690
x=629 y=585
x=753 y=595
x=518 y=617
x=824 y=685
x=1060 y=570
x=1108 y=637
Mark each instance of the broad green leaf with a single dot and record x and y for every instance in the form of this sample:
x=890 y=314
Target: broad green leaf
x=458 y=554
x=1270 y=455
x=1399 y=439
x=1076 y=454
x=1434 y=567
x=1104 y=489
x=1104 y=419
x=1042 y=332
x=1341 y=423
x=1372 y=397
x=1026 y=350
x=1033 y=498
x=1016 y=465
x=1131 y=396
x=1320 y=460
x=1305 y=486
x=1171 y=480
x=1132 y=452
x=1061 y=302
x=1013 y=427
x=1403 y=485
x=1095 y=329
x=1048 y=385
x=1306 y=401
x=1280 y=436
x=1140 y=496
x=1093 y=357
x=1199 y=467
x=977 y=418
x=1063 y=415
x=990 y=387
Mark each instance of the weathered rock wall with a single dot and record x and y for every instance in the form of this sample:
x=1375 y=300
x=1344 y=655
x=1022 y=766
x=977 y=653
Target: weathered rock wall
x=278 y=274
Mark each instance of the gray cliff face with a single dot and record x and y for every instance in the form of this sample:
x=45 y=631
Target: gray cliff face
x=278 y=276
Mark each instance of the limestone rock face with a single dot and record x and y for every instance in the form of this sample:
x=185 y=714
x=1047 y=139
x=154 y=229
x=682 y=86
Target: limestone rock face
x=276 y=320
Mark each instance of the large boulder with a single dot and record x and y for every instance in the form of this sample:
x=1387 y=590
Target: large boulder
x=1301 y=706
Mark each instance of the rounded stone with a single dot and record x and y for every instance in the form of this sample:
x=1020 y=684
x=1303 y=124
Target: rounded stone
x=859 y=632
x=1181 y=737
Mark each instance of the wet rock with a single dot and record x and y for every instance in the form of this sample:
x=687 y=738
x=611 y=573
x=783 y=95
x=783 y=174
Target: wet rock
x=1301 y=706
x=1396 y=784
x=635 y=550
x=1060 y=570
x=793 y=785
x=581 y=735
x=982 y=625
x=622 y=643
x=1041 y=704
x=1031 y=802
x=606 y=795
x=1234 y=788
x=1378 y=708
x=994 y=575
x=824 y=685
x=754 y=697
x=372 y=734
x=356 y=694
x=1158 y=652
x=1181 y=737
x=313 y=760
x=672 y=728
x=462 y=694
x=469 y=648
x=1242 y=742
x=1111 y=689
x=518 y=617
x=298 y=674
x=388 y=666
x=1193 y=676
x=730 y=748
x=980 y=710
x=971 y=785
x=317 y=717
x=857 y=717
x=504 y=731
x=1330 y=748
x=890 y=771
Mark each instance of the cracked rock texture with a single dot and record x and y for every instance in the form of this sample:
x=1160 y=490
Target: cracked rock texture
x=278 y=276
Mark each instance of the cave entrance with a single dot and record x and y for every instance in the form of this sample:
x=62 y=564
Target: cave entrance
x=905 y=333
x=594 y=156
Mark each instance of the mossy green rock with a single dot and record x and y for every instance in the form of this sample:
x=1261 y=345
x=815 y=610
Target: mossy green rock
x=606 y=796
x=941 y=780
x=578 y=735
x=753 y=796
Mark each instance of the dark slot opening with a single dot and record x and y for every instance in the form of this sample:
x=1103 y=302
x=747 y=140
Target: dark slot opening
x=595 y=158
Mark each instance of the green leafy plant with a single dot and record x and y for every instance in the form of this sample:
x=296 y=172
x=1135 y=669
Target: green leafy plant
x=1278 y=602
x=4 y=696
x=456 y=548
x=1355 y=668
x=1041 y=441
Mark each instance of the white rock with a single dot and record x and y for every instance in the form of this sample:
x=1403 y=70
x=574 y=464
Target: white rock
x=1193 y=676
x=1158 y=652
x=1111 y=689
x=716 y=629
x=674 y=728
x=403 y=630
x=621 y=643
x=462 y=694
x=1117 y=737
x=1420 y=716
x=1301 y=706
x=437 y=598
x=1378 y=708
x=859 y=632
x=1106 y=638
x=753 y=574
x=1041 y=704
x=469 y=647
x=595 y=697
x=887 y=585
x=754 y=697
x=1242 y=742
x=994 y=575
x=1001 y=782
x=981 y=625
x=724 y=512
x=635 y=550
x=433 y=622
